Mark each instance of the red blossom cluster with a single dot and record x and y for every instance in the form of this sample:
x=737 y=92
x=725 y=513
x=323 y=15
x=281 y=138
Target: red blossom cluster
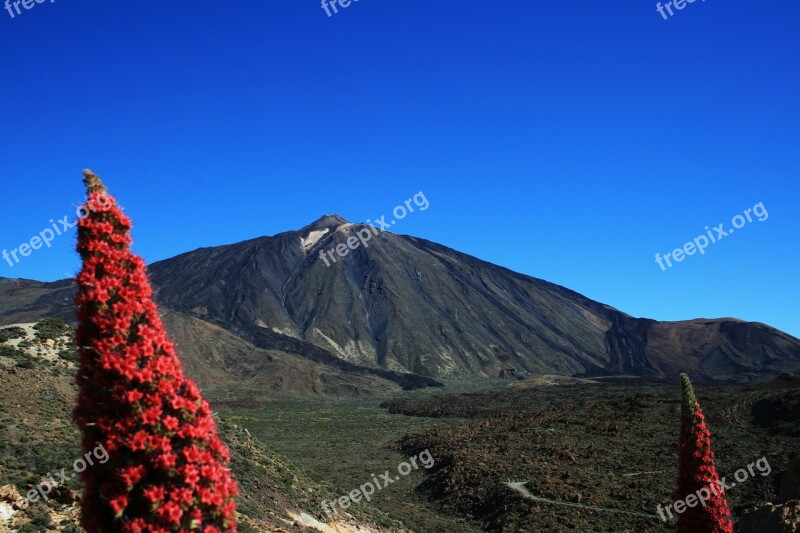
x=697 y=470
x=167 y=469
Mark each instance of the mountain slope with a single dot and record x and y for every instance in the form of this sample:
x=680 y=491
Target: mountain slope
x=231 y=370
x=405 y=304
x=408 y=304
x=39 y=437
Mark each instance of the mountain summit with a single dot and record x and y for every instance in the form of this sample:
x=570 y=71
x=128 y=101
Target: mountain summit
x=325 y=221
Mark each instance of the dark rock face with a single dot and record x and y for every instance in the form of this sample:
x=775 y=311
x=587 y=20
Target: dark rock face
x=770 y=518
x=403 y=304
x=790 y=482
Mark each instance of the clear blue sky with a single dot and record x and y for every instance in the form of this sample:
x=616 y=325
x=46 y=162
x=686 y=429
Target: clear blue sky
x=568 y=140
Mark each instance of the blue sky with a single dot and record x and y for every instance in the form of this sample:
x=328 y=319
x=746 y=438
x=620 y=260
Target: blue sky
x=569 y=140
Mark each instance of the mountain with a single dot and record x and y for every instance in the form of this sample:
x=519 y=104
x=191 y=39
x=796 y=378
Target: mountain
x=232 y=371
x=388 y=303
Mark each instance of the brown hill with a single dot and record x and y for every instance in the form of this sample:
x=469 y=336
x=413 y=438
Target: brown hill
x=38 y=436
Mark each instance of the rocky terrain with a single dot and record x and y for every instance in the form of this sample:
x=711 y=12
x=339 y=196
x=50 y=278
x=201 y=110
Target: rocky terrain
x=602 y=456
x=548 y=453
x=38 y=437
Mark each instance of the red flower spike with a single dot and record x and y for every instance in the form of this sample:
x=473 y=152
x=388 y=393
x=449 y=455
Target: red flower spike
x=167 y=469
x=697 y=470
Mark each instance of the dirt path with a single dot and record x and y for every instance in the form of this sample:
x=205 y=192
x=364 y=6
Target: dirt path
x=520 y=487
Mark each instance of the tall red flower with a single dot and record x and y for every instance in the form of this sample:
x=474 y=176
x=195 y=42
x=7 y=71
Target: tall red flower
x=166 y=468
x=697 y=472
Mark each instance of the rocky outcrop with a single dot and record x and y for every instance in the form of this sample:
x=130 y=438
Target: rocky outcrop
x=771 y=518
x=790 y=482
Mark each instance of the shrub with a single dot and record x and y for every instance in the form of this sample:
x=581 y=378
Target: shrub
x=10 y=351
x=52 y=328
x=26 y=363
x=68 y=354
x=22 y=359
x=13 y=332
x=40 y=517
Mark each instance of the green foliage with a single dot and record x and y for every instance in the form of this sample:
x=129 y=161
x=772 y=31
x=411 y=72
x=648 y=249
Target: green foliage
x=24 y=344
x=10 y=351
x=22 y=359
x=69 y=354
x=11 y=333
x=26 y=460
x=40 y=519
x=26 y=363
x=52 y=328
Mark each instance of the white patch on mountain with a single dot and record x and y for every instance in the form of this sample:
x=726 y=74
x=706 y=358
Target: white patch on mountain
x=310 y=240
